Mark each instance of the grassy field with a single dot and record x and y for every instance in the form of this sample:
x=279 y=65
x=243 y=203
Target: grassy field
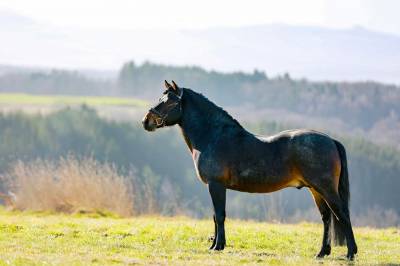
x=46 y=100
x=37 y=238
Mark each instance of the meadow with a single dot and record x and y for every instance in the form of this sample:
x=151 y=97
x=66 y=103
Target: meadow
x=38 y=238
x=64 y=100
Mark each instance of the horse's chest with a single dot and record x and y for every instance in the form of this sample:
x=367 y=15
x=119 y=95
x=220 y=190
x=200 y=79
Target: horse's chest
x=206 y=166
x=196 y=160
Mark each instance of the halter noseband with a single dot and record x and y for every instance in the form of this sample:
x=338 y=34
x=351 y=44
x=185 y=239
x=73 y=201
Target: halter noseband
x=160 y=118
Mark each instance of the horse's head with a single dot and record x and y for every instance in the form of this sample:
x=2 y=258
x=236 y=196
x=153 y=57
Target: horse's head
x=168 y=110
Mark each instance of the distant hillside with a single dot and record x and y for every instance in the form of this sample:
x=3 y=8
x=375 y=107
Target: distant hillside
x=367 y=109
x=316 y=53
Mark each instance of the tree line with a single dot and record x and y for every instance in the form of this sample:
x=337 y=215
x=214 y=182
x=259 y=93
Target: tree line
x=368 y=108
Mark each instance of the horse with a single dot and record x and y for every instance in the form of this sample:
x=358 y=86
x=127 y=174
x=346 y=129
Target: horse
x=227 y=156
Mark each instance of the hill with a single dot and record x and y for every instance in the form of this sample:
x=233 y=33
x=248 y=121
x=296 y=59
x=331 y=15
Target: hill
x=82 y=239
x=369 y=109
x=351 y=54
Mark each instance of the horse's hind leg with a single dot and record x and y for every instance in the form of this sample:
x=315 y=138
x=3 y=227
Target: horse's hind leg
x=326 y=219
x=338 y=208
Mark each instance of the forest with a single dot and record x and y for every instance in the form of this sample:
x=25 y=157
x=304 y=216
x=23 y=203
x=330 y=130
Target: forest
x=366 y=108
x=363 y=115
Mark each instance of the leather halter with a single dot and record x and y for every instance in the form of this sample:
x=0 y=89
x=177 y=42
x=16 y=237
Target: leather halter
x=160 y=118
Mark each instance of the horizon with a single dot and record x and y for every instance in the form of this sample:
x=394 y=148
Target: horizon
x=112 y=73
x=316 y=40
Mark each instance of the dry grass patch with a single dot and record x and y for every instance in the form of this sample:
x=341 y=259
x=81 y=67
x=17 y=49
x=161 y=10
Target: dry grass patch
x=69 y=185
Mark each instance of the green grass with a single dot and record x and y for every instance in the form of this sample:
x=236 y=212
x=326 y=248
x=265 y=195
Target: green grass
x=30 y=239
x=45 y=100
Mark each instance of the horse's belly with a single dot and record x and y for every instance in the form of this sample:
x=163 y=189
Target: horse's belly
x=261 y=176
x=262 y=183
x=262 y=187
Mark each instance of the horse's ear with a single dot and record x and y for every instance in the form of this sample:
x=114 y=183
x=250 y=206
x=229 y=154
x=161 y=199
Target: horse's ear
x=167 y=85
x=175 y=86
x=178 y=90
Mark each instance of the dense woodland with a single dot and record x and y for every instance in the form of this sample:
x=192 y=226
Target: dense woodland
x=364 y=115
x=367 y=108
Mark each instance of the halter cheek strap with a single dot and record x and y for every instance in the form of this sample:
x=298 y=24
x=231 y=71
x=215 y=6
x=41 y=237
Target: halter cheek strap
x=160 y=118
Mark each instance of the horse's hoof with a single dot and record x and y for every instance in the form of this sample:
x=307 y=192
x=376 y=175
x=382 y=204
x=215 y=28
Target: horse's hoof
x=212 y=246
x=351 y=252
x=219 y=246
x=350 y=257
x=325 y=251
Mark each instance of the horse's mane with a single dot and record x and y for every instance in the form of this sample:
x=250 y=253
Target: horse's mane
x=212 y=108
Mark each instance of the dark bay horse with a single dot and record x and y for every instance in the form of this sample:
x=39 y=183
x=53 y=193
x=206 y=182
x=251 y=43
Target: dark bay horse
x=226 y=156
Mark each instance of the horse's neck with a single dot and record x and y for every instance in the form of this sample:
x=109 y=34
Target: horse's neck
x=195 y=129
x=199 y=127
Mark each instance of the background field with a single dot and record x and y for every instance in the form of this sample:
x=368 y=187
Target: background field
x=57 y=100
x=82 y=239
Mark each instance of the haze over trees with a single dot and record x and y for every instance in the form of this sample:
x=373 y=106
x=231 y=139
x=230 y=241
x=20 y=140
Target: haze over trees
x=364 y=115
x=368 y=109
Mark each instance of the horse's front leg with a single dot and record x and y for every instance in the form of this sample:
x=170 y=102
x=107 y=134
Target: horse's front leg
x=218 y=197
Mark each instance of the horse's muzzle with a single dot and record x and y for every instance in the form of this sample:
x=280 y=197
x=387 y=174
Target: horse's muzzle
x=148 y=124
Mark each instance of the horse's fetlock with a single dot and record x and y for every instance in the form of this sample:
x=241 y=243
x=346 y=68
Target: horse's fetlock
x=328 y=249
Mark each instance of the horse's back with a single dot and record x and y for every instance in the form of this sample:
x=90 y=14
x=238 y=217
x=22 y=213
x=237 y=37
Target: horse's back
x=291 y=134
x=305 y=147
x=301 y=142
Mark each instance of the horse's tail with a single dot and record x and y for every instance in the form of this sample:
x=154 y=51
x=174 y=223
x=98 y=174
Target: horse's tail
x=337 y=234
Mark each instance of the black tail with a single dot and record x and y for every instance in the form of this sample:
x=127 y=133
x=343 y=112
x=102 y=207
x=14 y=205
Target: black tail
x=337 y=233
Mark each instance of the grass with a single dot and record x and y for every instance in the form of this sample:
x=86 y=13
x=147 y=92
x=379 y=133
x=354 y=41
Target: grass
x=46 y=100
x=39 y=238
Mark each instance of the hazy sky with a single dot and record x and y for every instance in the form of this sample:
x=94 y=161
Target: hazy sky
x=381 y=15
x=98 y=34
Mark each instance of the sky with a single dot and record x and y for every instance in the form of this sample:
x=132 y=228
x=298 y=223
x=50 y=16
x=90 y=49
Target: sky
x=99 y=34
x=378 y=15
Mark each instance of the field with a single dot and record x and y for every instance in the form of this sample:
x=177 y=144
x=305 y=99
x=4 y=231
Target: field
x=50 y=100
x=81 y=239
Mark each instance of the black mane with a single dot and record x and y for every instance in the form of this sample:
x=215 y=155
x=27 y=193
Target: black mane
x=212 y=108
